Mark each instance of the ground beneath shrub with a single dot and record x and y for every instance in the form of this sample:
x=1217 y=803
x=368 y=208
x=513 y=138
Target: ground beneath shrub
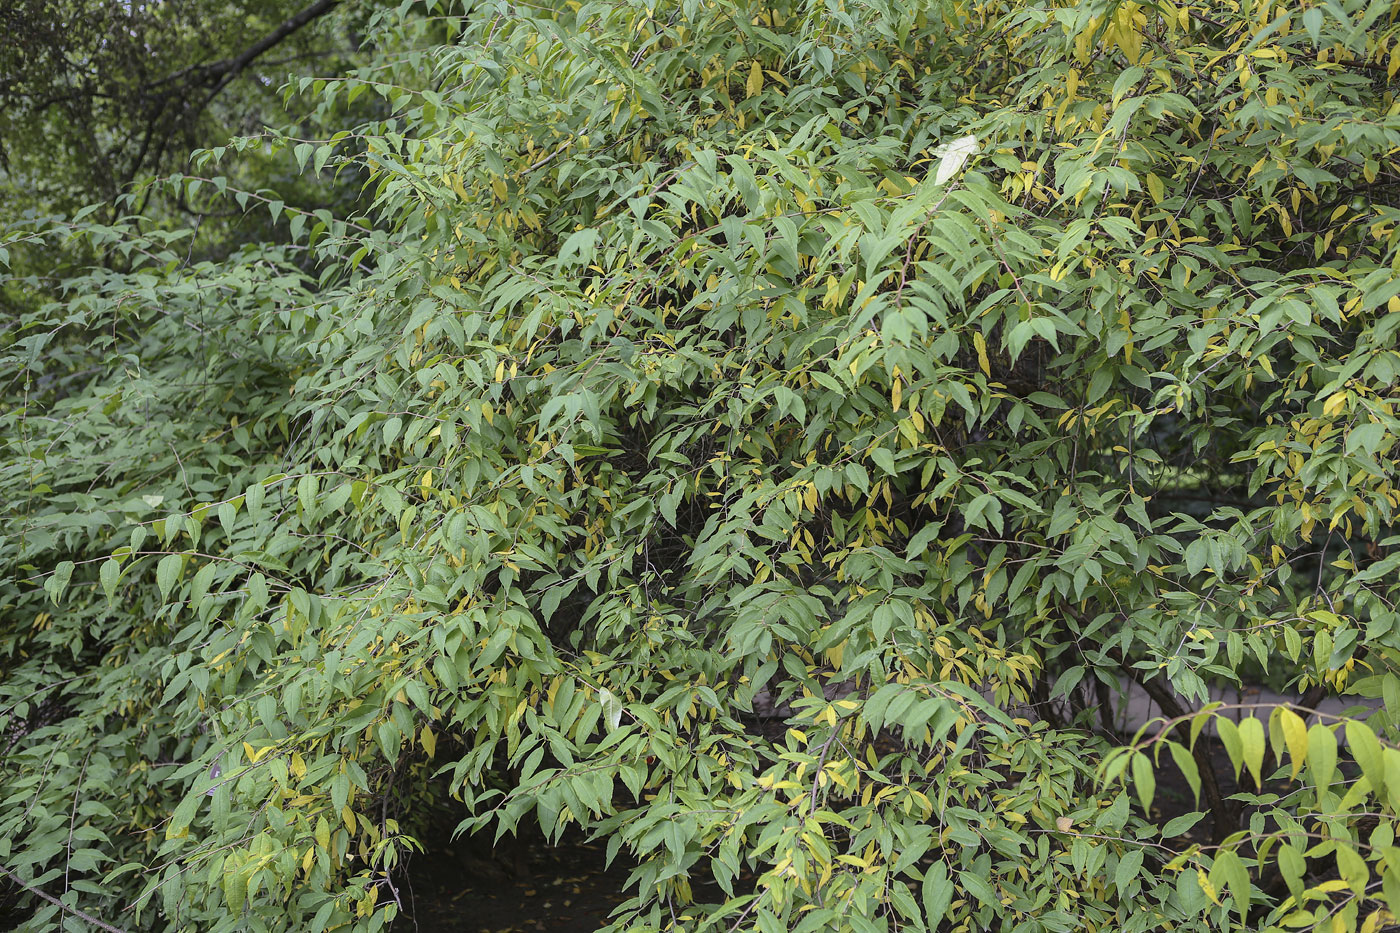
x=522 y=888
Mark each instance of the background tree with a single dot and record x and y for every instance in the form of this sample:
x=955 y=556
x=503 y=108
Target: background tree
x=96 y=96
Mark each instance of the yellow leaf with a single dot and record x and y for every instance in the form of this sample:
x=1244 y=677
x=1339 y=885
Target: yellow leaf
x=897 y=393
x=1207 y=887
x=1295 y=737
x=833 y=292
x=429 y=741
x=1155 y=188
x=755 y=82
x=980 y=345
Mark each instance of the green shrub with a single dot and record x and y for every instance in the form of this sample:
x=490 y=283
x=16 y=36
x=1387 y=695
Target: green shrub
x=925 y=371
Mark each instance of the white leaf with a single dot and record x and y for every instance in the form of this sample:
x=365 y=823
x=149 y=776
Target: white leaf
x=951 y=157
x=612 y=708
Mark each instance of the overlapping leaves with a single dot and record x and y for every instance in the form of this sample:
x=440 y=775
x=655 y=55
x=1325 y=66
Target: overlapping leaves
x=691 y=365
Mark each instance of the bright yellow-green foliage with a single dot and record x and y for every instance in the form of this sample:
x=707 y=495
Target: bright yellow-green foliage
x=766 y=436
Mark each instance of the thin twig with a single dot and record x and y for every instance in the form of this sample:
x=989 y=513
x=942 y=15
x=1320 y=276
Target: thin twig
x=81 y=915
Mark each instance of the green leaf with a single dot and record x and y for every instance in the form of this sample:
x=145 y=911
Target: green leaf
x=1230 y=871
x=1365 y=748
x=1186 y=764
x=199 y=586
x=1127 y=871
x=1180 y=825
x=883 y=459
x=1352 y=868
x=938 y=894
x=1322 y=756
x=184 y=814
x=167 y=572
x=1312 y=22
x=57 y=583
x=235 y=883
x=1144 y=780
x=392 y=427
x=108 y=574
x=1292 y=866
x=1230 y=738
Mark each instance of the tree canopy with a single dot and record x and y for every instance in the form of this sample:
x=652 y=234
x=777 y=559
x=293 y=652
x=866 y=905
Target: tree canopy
x=927 y=373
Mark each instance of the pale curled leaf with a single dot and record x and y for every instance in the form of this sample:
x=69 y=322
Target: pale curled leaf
x=951 y=157
x=612 y=708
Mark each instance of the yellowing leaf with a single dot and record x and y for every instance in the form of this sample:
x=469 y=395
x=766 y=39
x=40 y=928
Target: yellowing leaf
x=1295 y=737
x=1252 y=744
x=755 y=82
x=980 y=345
x=1204 y=881
x=1155 y=188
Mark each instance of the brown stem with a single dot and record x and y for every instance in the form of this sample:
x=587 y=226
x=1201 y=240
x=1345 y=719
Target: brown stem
x=1225 y=812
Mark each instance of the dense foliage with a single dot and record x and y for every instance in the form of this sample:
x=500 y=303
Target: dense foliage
x=921 y=373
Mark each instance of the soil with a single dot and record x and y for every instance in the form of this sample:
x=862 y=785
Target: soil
x=515 y=888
